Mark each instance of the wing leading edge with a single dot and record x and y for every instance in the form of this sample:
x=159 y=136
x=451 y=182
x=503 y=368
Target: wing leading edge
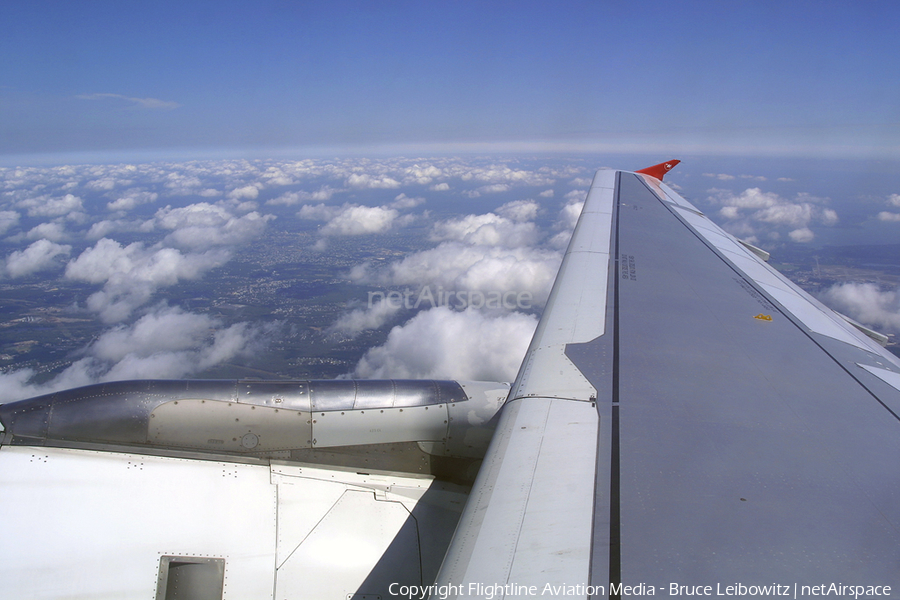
x=684 y=414
x=531 y=517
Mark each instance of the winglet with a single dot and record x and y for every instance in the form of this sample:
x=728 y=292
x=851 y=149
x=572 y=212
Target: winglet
x=659 y=170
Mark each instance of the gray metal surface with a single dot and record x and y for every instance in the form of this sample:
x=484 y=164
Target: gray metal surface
x=251 y=416
x=190 y=577
x=744 y=449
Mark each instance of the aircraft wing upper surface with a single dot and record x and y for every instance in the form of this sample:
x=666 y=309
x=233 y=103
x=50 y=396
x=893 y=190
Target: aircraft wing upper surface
x=684 y=415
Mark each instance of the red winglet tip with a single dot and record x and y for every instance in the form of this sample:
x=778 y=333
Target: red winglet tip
x=659 y=170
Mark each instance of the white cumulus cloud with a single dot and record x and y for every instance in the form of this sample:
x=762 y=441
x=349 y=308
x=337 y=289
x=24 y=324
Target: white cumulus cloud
x=488 y=229
x=520 y=210
x=249 y=192
x=422 y=174
x=38 y=256
x=203 y=225
x=493 y=188
x=55 y=232
x=402 y=201
x=364 y=180
x=867 y=303
x=754 y=213
x=443 y=343
x=46 y=206
x=323 y=194
x=8 y=220
x=352 y=219
x=131 y=274
x=802 y=235
x=131 y=199
x=456 y=266
x=165 y=343
x=361 y=319
x=358 y=220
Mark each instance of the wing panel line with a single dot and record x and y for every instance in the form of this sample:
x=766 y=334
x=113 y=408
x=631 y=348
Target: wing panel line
x=615 y=546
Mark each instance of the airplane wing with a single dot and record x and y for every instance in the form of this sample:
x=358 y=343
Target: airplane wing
x=687 y=417
x=684 y=416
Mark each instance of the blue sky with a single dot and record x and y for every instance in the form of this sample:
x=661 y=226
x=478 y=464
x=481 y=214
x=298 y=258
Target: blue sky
x=366 y=118
x=176 y=79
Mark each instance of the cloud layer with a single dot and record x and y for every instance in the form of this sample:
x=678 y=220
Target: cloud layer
x=167 y=342
x=754 y=214
x=132 y=274
x=128 y=235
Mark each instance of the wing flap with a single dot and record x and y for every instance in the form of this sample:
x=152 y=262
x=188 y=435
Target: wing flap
x=512 y=530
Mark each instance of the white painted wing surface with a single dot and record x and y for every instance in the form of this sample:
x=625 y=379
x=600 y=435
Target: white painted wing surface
x=88 y=525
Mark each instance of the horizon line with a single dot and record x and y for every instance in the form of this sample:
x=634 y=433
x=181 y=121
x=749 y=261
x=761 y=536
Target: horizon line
x=426 y=149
